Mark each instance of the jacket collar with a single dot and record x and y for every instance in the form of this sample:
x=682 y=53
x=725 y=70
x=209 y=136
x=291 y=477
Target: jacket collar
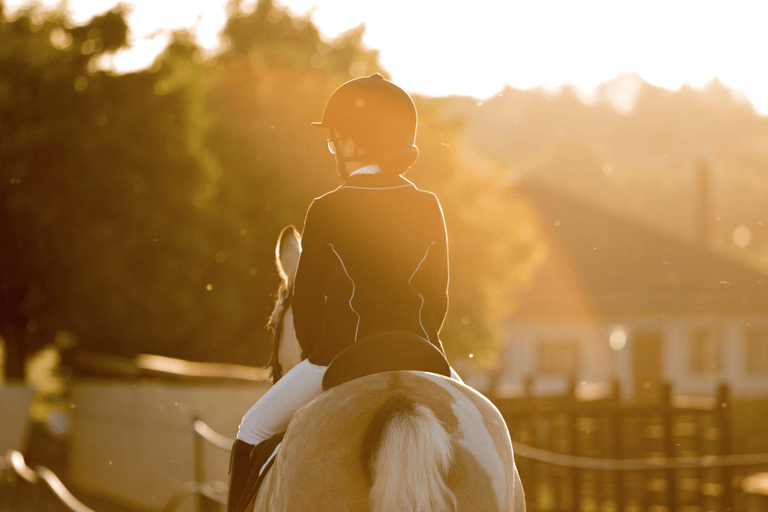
x=376 y=181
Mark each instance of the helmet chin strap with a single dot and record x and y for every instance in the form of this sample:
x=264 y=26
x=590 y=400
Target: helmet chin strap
x=341 y=163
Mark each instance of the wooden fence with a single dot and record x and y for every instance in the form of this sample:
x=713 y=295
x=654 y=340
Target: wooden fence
x=608 y=455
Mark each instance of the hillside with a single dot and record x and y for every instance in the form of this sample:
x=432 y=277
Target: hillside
x=635 y=149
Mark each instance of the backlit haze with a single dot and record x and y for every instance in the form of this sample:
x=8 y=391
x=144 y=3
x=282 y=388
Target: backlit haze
x=474 y=48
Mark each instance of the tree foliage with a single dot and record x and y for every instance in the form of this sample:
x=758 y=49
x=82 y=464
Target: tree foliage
x=139 y=212
x=98 y=176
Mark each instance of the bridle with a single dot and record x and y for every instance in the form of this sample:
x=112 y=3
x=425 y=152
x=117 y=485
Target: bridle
x=276 y=323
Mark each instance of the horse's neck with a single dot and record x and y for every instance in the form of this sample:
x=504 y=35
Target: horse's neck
x=290 y=351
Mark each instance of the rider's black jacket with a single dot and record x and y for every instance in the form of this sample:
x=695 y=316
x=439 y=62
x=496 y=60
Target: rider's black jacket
x=374 y=258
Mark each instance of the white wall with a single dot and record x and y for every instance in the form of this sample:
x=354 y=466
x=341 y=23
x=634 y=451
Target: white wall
x=15 y=401
x=135 y=443
x=734 y=364
x=746 y=385
x=599 y=362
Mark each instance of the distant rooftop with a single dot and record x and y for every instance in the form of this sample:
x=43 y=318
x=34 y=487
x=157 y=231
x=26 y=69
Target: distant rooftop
x=617 y=265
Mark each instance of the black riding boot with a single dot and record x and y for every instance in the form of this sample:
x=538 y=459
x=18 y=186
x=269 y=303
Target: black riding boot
x=245 y=468
x=240 y=467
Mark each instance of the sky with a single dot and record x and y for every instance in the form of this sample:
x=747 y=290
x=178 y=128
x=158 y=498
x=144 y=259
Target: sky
x=475 y=47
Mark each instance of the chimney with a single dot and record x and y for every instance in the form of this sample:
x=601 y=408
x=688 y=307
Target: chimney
x=703 y=203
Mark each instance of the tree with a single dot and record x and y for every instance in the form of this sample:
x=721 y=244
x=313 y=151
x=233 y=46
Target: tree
x=140 y=211
x=45 y=71
x=96 y=194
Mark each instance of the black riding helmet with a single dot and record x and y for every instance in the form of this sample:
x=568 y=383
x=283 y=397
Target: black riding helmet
x=379 y=115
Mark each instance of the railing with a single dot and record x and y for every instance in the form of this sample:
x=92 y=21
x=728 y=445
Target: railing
x=576 y=455
x=209 y=493
x=17 y=463
x=202 y=433
x=578 y=462
x=618 y=467
x=143 y=365
x=207 y=433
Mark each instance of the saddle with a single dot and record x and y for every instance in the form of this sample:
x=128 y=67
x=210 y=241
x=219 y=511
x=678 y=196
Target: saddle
x=385 y=352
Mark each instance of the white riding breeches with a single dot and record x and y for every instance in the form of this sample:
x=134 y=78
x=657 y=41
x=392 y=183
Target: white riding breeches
x=271 y=413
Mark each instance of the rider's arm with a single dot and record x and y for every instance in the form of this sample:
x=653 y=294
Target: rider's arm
x=438 y=268
x=308 y=293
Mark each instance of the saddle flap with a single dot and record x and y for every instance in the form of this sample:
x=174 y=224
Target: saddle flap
x=385 y=352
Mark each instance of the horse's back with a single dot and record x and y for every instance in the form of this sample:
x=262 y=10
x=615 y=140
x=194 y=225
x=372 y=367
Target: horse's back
x=325 y=459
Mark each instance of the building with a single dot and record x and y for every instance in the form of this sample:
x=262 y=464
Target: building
x=617 y=299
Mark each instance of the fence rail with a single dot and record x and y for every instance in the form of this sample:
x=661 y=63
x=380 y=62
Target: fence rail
x=705 y=461
x=17 y=463
x=215 y=492
x=206 y=432
x=209 y=490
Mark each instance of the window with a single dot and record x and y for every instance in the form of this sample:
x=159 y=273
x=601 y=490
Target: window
x=757 y=351
x=706 y=352
x=559 y=357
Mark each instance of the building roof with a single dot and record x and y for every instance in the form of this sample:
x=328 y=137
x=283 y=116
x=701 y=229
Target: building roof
x=600 y=262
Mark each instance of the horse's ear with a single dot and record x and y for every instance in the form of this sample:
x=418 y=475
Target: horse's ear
x=287 y=253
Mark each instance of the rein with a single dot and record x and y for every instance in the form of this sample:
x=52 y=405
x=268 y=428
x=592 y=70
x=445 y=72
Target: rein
x=276 y=323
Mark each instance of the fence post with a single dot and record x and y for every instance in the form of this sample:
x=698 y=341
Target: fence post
x=534 y=419
x=701 y=420
x=668 y=415
x=528 y=385
x=723 y=415
x=203 y=503
x=573 y=426
x=198 y=460
x=618 y=439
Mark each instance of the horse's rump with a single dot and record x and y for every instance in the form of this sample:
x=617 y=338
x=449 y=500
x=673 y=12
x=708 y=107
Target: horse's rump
x=336 y=445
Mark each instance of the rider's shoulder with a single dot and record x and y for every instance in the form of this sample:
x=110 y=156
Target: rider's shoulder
x=331 y=199
x=323 y=201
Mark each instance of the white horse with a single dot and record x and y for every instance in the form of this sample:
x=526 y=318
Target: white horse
x=400 y=441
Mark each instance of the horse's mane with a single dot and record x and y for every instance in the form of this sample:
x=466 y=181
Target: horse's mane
x=275 y=324
x=285 y=290
x=276 y=315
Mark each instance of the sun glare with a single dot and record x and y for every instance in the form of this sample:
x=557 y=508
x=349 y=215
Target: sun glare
x=438 y=48
x=742 y=236
x=617 y=338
